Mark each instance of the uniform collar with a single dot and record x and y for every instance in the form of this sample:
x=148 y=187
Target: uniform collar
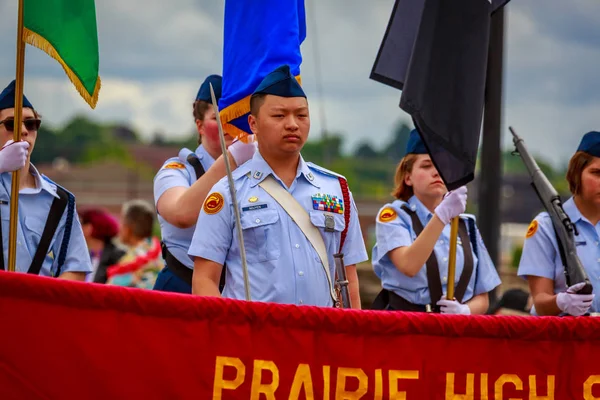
x=42 y=184
x=572 y=211
x=259 y=170
x=203 y=154
x=422 y=212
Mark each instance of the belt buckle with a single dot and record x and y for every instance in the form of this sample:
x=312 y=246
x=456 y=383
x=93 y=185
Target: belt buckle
x=428 y=308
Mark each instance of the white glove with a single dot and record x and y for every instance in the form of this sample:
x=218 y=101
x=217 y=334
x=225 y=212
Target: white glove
x=453 y=307
x=572 y=303
x=242 y=152
x=13 y=155
x=453 y=204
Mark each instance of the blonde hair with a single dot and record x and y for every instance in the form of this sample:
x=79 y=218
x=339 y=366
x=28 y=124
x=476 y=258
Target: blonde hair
x=402 y=191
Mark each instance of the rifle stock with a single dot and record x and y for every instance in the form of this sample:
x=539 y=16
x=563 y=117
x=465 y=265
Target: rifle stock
x=563 y=226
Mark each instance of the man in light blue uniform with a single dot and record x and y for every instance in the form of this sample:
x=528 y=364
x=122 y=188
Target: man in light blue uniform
x=283 y=265
x=181 y=185
x=541 y=262
x=395 y=228
x=42 y=203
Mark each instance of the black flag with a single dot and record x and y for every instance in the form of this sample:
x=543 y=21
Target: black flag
x=436 y=51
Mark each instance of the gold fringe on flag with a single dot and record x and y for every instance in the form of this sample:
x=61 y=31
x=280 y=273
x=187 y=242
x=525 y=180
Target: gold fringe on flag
x=38 y=41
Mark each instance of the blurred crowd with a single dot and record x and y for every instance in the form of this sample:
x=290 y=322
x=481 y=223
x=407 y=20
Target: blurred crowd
x=123 y=250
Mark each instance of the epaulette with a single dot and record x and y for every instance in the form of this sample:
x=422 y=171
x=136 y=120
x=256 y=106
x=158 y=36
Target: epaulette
x=183 y=154
x=242 y=170
x=324 y=171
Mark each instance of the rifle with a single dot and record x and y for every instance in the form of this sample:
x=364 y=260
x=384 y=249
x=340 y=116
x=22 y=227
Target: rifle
x=563 y=227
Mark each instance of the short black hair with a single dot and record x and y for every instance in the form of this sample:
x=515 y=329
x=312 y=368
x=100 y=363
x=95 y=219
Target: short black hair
x=256 y=101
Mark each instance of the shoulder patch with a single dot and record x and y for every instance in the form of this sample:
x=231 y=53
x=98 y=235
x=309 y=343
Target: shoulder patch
x=387 y=214
x=533 y=227
x=174 y=165
x=213 y=203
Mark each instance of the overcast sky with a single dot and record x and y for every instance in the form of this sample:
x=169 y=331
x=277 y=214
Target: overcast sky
x=154 y=55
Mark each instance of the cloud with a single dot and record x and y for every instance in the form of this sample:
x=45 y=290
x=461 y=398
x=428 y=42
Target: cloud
x=154 y=56
x=551 y=90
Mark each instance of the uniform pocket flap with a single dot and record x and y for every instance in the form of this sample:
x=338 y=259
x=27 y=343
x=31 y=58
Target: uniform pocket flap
x=253 y=219
x=320 y=219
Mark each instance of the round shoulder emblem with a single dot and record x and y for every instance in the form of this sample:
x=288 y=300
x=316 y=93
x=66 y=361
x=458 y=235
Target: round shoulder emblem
x=532 y=229
x=174 y=165
x=387 y=214
x=213 y=203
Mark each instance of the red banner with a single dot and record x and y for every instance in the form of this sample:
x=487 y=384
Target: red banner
x=65 y=340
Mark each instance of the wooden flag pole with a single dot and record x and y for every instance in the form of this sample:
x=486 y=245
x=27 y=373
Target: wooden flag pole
x=452 y=258
x=14 y=193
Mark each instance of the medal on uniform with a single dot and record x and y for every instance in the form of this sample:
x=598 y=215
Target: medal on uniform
x=327 y=202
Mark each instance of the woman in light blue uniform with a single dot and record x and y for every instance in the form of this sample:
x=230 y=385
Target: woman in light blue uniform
x=182 y=184
x=541 y=262
x=413 y=244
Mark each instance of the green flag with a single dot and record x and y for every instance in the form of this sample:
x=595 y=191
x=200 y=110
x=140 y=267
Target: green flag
x=66 y=30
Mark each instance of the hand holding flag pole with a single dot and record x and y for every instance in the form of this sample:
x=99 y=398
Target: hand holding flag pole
x=236 y=210
x=14 y=190
x=448 y=212
x=68 y=34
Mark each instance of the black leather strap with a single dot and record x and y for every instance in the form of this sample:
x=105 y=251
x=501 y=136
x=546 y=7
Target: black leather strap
x=56 y=211
x=192 y=158
x=433 y=271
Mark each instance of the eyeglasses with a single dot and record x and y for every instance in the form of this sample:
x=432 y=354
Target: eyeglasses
x=31 y=124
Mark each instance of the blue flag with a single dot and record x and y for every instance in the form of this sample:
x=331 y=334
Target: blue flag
x=260 y=35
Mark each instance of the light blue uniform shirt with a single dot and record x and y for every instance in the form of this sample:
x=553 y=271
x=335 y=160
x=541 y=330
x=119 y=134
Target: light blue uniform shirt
x=34 y=206
x=169 y=176
x=283 y=266
x=399 y=232
x=541 y=256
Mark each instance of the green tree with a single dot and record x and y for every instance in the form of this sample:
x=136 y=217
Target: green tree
x=324 y=150
x=365 y=151
x=396 y=148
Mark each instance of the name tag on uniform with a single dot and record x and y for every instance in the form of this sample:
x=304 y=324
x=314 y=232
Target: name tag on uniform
x=255 y=207
x=583 y=243
x=329 y=223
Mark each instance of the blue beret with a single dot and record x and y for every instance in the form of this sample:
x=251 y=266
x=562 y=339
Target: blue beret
x=204 y=91
x=590 y=143
x=281 y=83
x=7 y=97
x=415 y=144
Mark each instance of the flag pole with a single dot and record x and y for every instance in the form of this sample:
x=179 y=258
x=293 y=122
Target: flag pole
x=14 y=191
x=236 y=210
x=452 y=258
